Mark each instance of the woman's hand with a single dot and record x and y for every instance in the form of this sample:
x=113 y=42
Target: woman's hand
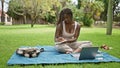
x=60 y=39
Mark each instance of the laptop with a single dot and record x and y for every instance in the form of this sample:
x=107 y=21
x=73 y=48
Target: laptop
x=86 y=53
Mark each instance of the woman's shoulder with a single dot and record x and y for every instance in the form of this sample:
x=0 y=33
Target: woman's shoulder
x=78 y=24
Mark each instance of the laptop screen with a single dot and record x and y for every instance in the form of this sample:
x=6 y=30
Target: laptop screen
x=88 y=53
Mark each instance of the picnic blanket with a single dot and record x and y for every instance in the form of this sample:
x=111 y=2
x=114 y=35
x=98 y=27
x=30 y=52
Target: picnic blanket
x=51 y=56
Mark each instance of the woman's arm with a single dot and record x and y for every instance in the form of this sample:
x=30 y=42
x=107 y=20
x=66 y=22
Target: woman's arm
x=58 y=33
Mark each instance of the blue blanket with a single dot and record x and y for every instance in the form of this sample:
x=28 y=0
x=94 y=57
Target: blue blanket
x=51 y=56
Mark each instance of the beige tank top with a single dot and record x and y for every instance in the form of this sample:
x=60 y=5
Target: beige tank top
x=66 y=34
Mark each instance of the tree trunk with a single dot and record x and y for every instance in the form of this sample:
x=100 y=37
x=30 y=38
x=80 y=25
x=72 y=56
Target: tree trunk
x=33 y=22
x=2 y=15
x=24 y=16
x=32 y=25
x=79 y=4
x=109 y=17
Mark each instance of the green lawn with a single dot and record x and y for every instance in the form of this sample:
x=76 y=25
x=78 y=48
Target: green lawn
x=12 y=37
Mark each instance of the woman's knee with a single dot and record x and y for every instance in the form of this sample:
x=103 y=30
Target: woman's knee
x=63 y=48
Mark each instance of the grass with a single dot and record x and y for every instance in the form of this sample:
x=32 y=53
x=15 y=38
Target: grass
x=12 y=37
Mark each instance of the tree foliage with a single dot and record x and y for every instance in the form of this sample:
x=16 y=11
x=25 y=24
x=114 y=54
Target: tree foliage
x=91 y=10
x=116 y=10
x=34 y=8
x=48 y=10
x=17 y=8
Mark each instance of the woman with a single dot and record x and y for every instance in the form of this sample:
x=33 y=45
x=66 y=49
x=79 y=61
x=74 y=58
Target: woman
x=67 y=33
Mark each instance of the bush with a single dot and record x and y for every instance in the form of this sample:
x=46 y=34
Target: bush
x=50 y=17
x=87 y=20
x=2 y=23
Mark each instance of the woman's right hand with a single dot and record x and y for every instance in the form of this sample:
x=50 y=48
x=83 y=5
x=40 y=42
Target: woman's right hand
x=60 y=39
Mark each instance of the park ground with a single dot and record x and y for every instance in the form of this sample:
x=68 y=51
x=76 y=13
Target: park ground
x=13 y=37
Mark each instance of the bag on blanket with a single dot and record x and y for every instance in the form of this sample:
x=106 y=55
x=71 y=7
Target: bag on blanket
x=29 y=52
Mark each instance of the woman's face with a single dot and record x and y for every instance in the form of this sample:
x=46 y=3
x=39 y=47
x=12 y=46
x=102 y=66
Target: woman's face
x=67 y=18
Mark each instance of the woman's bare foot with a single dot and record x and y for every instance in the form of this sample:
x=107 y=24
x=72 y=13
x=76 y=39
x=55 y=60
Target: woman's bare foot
x=77 y=50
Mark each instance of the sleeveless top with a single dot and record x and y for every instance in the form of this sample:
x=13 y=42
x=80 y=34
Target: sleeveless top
x=66 y=34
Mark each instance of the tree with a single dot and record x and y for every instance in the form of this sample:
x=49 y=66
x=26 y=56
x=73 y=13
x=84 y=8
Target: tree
x=45 y=9
x=92 y=11
x=104 y=13
x=42 y=9
x=34 y=10
x=79 y=4
x=98 y=8
x=109 y=17
x=19 y=8
x=2 y=14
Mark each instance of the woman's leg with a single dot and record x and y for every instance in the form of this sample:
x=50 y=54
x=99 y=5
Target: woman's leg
x=77 y=46
x=63 y=48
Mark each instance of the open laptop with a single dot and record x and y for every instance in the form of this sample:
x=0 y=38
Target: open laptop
x=86 y=53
